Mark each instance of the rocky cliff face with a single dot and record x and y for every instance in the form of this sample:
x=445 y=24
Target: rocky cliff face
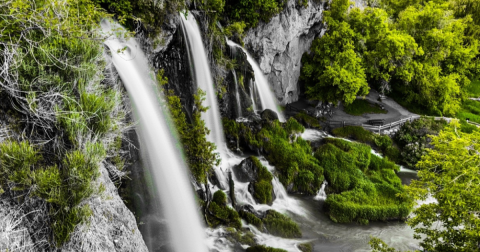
x=279 y=45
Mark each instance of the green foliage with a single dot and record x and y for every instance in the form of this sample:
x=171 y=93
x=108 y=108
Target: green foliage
x=290 y=156
x=423 y=51
x=449 y=174
x=360 y=107
x=357 y=133
x=471 y=110
x=307 y=120
x=220 y=213
x=193 y=136
x=413 y=138
x=251 y=12
x=262 y=248
x=280 y=225
x=263 y=188
x=17 y=162
x=363 y=186
x=251 y=219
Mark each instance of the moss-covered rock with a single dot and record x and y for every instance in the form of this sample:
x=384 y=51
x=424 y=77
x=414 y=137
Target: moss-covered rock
x=281 y=225
x=269 y=115
x=262 y=248
x=363 y=187
x=220 y=214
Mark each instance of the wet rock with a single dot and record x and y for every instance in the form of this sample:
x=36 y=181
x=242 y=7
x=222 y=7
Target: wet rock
x=246 y=171
x=249 y=209
x=269 y=115
x=212 y=177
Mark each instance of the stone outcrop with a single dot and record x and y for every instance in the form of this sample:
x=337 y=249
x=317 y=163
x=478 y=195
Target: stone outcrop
x=112 y=227
x=278 y=45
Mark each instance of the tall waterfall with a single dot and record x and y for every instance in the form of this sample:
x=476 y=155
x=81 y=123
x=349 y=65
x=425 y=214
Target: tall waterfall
x=239 y=105
x=167 y=169
x=267 y=98
x=204 y=80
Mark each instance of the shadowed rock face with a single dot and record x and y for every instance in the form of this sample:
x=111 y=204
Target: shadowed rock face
x=278 y=45
x=246 y=171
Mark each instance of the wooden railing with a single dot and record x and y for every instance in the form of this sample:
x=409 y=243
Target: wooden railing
x=388 y=126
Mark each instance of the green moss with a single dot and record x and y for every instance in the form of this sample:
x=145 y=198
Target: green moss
x=308 y=120
x=263 y=191
x=363 y=187
x=251 y=219
x=262 y=248
x=305 y=247
x=220 y=213
x=357 y=133
x=281 y=225
x=288 y=153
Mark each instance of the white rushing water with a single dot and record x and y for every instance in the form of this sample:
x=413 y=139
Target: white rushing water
x=239 y=105
x=203 y=79
x=252 y=96
x=321 y=195
x=267 y=99
x=163 y=159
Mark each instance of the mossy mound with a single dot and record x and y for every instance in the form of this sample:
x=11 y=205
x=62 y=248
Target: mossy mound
x=292 y=156
x=220 y=214
x=274 y=222
x=363 y=186
x=261 y=248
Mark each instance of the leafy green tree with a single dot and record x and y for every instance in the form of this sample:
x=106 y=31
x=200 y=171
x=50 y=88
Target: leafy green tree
x=450 y=174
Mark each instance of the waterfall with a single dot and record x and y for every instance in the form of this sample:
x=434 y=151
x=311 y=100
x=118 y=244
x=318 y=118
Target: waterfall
x=203 y=79
x=252 y=97
x=239 y=105
x=162 y=157
x=267 y=99
x=321 y=195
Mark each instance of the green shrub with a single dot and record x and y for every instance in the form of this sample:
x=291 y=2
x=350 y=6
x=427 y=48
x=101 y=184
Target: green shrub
x=17 y=161
x=262 y=248
x=290 y=155
x=357 y=133
x=280 y=225
x=220 y=213
x=359 y=107
x=251 y=219
x=307 y=120
x=363 y=186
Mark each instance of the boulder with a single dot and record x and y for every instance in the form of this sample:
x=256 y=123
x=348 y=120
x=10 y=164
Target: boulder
x=269 y=115
x=247 y=170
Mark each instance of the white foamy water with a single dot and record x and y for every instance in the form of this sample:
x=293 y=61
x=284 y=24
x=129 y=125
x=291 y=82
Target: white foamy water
x=239 y=105
x=321 y=195
x=163 y=159
x=252 y=96
x=203 y=79
x=314 y=135
x=267 y=98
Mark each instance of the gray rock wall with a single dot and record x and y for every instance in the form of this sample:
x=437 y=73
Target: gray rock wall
x=278 y=45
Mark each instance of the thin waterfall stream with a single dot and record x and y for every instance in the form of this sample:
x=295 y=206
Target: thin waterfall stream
x=267 y=98
x=237 y=94
x=162 y=157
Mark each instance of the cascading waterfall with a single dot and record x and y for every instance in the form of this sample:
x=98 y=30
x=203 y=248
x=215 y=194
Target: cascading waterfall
x=239 y=105
x=267 y=98
x=252 y=96
x=203 y=79
x=163 y=159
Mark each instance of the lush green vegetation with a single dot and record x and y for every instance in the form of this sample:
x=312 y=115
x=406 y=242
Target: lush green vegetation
x=54 y=72
x=274 y=222
x=262 y=248
x=360 y=107
x=422 y=51
x=470 y=110
x=290 y=154
x=363 y=187
x=414 y=138
x=474 y=89
x=448 y=173
x=262 y=186
x=307 y=120
x=251 y=12
x=199 y=152
x=220 y=214
x=281 y=225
